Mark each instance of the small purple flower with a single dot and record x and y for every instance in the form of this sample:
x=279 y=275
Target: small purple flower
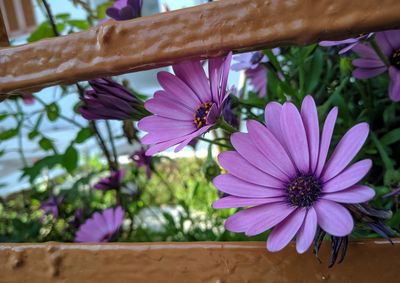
x=109 y=100
x=28 y=98
x=114 y=181
x=51 y=205
x=141 y=159
x=77 y=219
x=349 y=43
x=189 y=105
x=256 y=72
x=280 y=172
x=371 y=65
x=125 y=9
x=102 y=227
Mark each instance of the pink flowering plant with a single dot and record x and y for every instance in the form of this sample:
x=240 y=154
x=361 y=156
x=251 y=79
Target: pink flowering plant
x=290 y=144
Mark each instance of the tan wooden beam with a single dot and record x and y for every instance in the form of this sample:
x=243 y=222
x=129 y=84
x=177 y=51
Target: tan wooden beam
x=207 y=30
x=367 y=261
x=3 y=32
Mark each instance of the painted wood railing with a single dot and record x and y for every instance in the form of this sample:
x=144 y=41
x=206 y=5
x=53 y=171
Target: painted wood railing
x=148 y=42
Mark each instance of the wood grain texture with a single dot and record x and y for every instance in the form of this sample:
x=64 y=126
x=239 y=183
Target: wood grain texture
x=203 y=31
x=367 y=261
x=3 y=32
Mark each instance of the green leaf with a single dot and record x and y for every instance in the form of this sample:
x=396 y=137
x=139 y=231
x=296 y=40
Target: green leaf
x=101 y=10
x=33 y=134
x=64 y=16
x=8 y=134
x=52 y=111
x=43 y=31
x=391 y=137
x=79 y=24
x=315 y=71
x=46 y=162
x=83 y=135
x=46 y=144
x=3 y=116
x=70 y=159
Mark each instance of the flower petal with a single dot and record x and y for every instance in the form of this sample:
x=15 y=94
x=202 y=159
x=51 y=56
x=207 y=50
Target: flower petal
x=192 y=73
x=295 y=136
x=306 y=234
x=241 y=168
x=394 y=85
x=234 y=202
x=363 y=73
x=326 y=140
x=284 y=232
x=176 y=87
x=232 y=185
x=273 y=214
x=346 y=150
x=365 y=51
x=350 y=176
x=355 y=194
x=368 y=63
x=169 y=108
x=310 y=119
x=334 y=218
x=245 y=147
x=384 y=43
x=191 y=136
x=272 y=115
x=270 y=147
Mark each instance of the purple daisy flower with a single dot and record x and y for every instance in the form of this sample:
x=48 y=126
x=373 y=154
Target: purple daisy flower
x=256 y=72
x=349 y=43
x=51 y=205
x=102 y=227
x=280 y=172
x=371 y=65
x=111 y=182
x=125 y=9
x=189 y=105
x=109 y=100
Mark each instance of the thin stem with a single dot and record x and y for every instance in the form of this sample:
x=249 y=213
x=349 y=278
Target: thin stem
x=384 y=156
x=20 y=144
x=51 y=18
x=111 y=138
x=379 y=52
x=215 y=142
x=102 y=145
x=171 y=191
x=226 y=127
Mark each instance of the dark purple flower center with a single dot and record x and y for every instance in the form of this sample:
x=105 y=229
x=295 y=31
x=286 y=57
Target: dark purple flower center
x=200 y=117
x=303 y=190
x=395 y=58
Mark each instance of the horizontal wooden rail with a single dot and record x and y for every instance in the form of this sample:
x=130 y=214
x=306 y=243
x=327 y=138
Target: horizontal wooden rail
x=203 y=31
x=367 y=261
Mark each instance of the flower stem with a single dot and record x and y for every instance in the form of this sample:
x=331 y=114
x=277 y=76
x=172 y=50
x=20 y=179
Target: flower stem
x=379 y=52
x=215 y=142
x=226 y=127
